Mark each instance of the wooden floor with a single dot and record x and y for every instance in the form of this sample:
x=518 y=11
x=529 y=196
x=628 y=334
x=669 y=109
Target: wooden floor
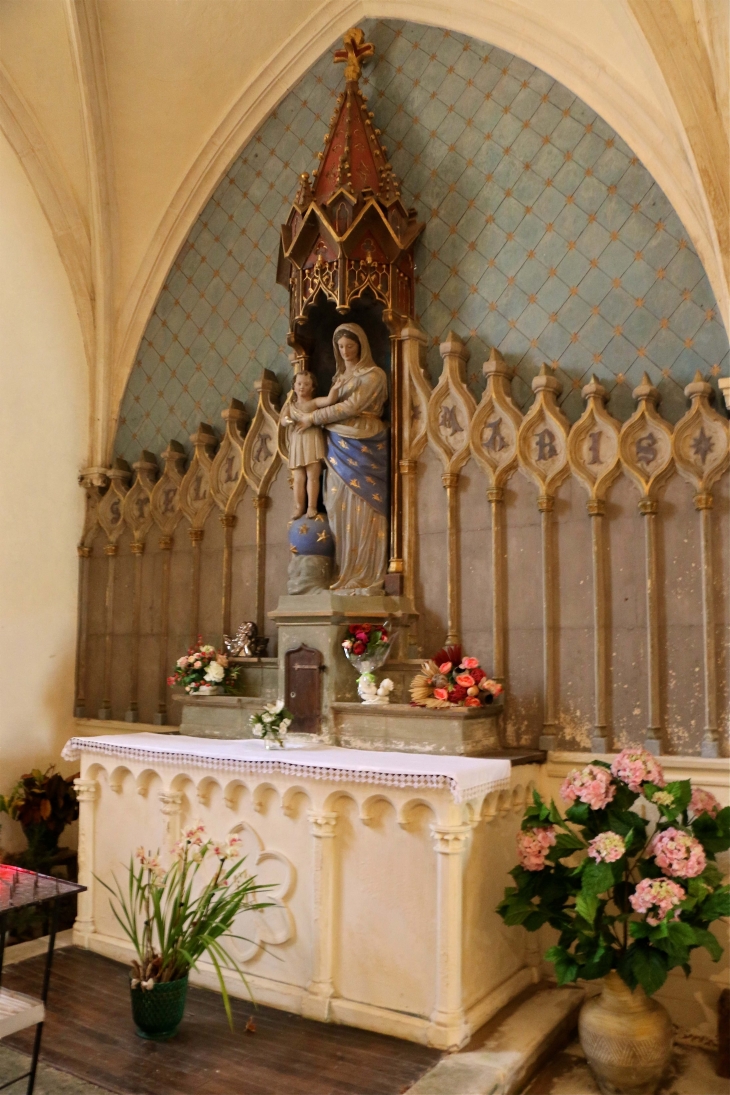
x=89 y=1033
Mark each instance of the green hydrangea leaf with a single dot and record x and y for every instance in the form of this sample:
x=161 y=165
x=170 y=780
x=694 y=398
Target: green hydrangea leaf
x=596 y=877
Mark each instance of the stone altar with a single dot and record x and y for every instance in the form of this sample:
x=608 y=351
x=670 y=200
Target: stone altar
x=386 y=871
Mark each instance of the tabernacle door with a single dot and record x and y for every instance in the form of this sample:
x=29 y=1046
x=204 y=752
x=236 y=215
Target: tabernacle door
x=303 y=688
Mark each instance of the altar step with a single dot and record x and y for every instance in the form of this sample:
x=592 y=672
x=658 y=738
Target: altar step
x=504 y=1055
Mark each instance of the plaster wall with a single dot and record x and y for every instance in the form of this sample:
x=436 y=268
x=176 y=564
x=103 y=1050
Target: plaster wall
x=42 y=446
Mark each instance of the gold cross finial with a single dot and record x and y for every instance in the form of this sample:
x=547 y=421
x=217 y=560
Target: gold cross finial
x=356 y=49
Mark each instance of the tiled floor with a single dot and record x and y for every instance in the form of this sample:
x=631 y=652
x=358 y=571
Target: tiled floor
x=567 y=1073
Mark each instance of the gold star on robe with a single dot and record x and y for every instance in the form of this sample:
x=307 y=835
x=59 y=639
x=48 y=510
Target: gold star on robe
x=304 y=529
x=321 y=536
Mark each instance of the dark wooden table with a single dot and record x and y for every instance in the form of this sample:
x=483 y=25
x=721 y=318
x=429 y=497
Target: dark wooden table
x=20 y=889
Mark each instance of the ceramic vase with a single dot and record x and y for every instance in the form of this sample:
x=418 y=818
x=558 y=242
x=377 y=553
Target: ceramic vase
x=626 y=1037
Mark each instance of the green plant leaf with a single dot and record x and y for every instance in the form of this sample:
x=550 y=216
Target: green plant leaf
x=596 y=877
x=578 y=813
x=586 y=905
x=710 y=942
x=566 y=967
x=648 y=965
x=716 y=905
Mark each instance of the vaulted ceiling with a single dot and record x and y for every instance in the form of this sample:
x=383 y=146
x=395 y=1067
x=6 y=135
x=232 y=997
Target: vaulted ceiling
x=126 y=115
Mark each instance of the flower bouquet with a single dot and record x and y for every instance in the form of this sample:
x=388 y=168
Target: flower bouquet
x=622 y=897
x=173 y=917
x=367 y=647
x=450 y=680
x=203 y=671
x=272 y=723
x=44 y=803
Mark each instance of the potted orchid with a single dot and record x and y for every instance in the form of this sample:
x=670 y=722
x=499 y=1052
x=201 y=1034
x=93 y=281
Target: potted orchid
x=630 y=898
x=174 y=917
x=272 y=724
x=203 y=671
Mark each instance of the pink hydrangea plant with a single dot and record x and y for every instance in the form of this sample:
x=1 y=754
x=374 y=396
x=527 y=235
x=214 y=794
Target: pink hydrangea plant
x=533 y=845
x=607 y=847
x=703 y=802
x=656 y=897
x=635 y=766
x=591 y=784
x=678 y=853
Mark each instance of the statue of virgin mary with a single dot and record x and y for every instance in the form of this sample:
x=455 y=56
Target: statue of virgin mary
x=356 y=478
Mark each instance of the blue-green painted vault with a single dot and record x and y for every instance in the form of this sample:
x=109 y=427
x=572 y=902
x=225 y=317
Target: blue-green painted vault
x=545 y=237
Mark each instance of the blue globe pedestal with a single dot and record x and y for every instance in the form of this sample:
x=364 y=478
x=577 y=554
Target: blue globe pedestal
x=311 y=536
x=312 y=548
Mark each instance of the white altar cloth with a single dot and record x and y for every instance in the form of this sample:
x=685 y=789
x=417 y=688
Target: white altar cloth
x=384 y=870
x=465 y=777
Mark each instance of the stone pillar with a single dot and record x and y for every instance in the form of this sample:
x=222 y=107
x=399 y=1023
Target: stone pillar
x=449 y=1029
x=171 y=808
x=321 y=989
x=86 y=793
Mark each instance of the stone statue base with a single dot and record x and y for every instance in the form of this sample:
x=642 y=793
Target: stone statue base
x=461 y=731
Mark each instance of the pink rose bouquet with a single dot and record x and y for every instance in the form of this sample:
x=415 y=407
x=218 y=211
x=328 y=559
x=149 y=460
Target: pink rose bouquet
x=623 y=892
x=203 y=670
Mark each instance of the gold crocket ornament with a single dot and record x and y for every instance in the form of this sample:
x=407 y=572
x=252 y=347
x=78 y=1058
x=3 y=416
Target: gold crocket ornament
x=356 y=49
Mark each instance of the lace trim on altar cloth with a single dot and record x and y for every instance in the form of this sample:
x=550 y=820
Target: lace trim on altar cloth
x=272 y=764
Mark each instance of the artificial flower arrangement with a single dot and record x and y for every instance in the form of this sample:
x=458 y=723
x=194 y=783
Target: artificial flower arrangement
x=450 y=680
x=44 y=803
x=173 y=917
x=203 y=670
x=273 y=722
x=367 y=647
x=366 y=641
x=622 y=896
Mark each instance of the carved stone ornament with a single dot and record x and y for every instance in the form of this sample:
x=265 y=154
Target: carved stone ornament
x=261 y=458
x=542 y=443
x=418 y=391
x=111 y=517
x=646 y=442
x=95 y=485
x=700 y=440
x=496 y=424
x=196 y=500
x=593 y=443
x=227 y=481
x=451 y=407
x=165 y=498
x=136 y=508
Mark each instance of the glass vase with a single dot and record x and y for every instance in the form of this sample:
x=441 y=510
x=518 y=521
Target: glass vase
x=366 y=664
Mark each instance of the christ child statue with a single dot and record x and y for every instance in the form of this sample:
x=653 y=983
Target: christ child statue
x=306 y=446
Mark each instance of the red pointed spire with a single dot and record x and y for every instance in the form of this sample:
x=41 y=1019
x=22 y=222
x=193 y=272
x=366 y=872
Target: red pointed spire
x=348 y=232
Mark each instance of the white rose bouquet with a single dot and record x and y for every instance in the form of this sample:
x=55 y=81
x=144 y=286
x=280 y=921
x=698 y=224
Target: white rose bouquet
x=273 y=722
x=203 y=670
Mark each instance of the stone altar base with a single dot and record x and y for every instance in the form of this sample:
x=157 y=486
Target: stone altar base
x=401 y=728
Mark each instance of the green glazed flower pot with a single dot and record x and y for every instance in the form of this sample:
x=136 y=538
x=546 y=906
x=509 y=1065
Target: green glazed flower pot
x=158 y=1012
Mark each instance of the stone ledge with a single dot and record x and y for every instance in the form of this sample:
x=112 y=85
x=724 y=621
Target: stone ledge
x=502 y=1057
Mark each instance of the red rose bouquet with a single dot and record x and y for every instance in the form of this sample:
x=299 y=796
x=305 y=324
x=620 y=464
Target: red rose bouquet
x=367 y=641
x=451 y=680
